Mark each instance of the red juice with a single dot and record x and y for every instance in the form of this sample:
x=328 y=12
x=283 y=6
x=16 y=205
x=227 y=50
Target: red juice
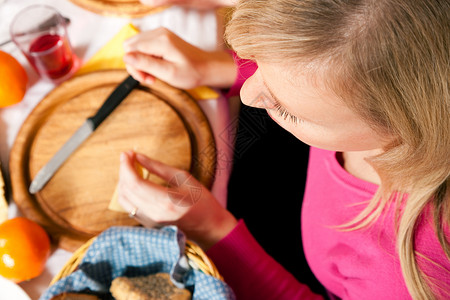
x=51 y=55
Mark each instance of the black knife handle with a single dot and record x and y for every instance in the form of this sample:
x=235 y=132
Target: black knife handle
x=116 y=97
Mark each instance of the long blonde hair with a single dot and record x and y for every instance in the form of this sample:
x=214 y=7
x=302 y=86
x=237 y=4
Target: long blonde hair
x=389 y=61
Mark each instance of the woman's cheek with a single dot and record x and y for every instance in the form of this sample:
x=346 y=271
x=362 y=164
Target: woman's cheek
x=310 y=134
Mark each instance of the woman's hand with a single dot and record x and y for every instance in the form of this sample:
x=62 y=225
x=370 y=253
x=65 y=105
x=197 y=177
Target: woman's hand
x=162 y=54
x=199 y=4
x=185 y=202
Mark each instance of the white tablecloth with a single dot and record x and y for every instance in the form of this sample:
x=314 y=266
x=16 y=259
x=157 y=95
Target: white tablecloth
x=88 y=32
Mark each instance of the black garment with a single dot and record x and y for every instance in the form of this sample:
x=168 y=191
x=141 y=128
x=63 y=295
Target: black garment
x=266 y=195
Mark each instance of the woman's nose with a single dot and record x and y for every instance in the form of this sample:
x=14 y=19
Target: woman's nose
x=253 y=93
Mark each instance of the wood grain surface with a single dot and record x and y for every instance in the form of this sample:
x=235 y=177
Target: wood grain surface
x=118 y=8
x=162 y=122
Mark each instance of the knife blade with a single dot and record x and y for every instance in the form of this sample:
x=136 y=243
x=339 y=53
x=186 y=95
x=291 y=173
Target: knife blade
x=83 y=132
x=180 y=270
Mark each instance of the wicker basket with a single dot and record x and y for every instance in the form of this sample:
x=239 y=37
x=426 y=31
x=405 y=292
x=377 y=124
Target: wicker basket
x=197 y=260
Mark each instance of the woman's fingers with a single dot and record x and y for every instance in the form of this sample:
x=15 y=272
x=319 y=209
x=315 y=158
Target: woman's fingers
x=185 y=203
x=162 y=54
x=134 y=192
x=140 y=76
x=137 y=212
x=158 y=42
x=156 y=203
x=126 y=204
x=128 y=171
x=162 y=170
x=129 y=174
x=183 y=190
x=150 y=67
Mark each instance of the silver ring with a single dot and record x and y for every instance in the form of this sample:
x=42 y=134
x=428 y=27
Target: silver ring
x=132 y=213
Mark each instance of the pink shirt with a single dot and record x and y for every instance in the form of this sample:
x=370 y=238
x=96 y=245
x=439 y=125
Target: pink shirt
x=359 y=264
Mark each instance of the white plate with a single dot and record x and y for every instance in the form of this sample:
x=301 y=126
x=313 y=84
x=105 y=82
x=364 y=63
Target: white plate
x=10 y=290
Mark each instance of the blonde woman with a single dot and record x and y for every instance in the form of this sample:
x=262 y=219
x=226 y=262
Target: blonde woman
x=366 y=84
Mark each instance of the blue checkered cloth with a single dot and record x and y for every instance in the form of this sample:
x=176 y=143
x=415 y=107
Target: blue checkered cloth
x=135 y=251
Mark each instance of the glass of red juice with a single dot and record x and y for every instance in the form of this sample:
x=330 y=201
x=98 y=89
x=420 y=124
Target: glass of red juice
x=41 y=34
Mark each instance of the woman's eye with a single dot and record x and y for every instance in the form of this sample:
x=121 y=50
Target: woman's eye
x=285 y=115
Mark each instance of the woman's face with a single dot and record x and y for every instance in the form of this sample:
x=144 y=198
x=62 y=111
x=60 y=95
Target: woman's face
x=307 y=110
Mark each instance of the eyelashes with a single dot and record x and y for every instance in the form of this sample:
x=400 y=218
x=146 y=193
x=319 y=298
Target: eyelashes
x=283 y=113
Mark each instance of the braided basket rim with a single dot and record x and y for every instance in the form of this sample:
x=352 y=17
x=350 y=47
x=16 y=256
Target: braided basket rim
x=196 y=256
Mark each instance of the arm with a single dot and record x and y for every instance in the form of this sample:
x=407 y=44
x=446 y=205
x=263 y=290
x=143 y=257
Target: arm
x=185 y=202
x=247 y=268
x=251 y=272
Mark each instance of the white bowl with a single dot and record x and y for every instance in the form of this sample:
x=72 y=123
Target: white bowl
x=10 y=290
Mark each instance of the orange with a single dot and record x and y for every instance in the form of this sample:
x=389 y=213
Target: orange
x=13 y=80
x=24 y=249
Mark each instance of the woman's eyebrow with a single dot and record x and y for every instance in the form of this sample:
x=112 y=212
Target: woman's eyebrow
x=274 y=98
x=272 y=95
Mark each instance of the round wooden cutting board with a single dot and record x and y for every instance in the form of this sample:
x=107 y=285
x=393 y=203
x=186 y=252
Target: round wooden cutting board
x=163 y=123
x=118 y=8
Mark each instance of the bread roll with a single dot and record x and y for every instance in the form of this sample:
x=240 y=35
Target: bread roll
x=74 y=296
x=152 y=287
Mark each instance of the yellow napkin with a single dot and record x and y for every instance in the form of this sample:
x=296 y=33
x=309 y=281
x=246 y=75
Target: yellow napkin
x=110 y=56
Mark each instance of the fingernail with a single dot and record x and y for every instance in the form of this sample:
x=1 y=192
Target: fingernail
x=126 y=44
x=122 y=156
x=128 y=58
x=149 y=80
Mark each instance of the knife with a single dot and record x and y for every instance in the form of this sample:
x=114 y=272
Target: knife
x=180 y=270
x=88 y=127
